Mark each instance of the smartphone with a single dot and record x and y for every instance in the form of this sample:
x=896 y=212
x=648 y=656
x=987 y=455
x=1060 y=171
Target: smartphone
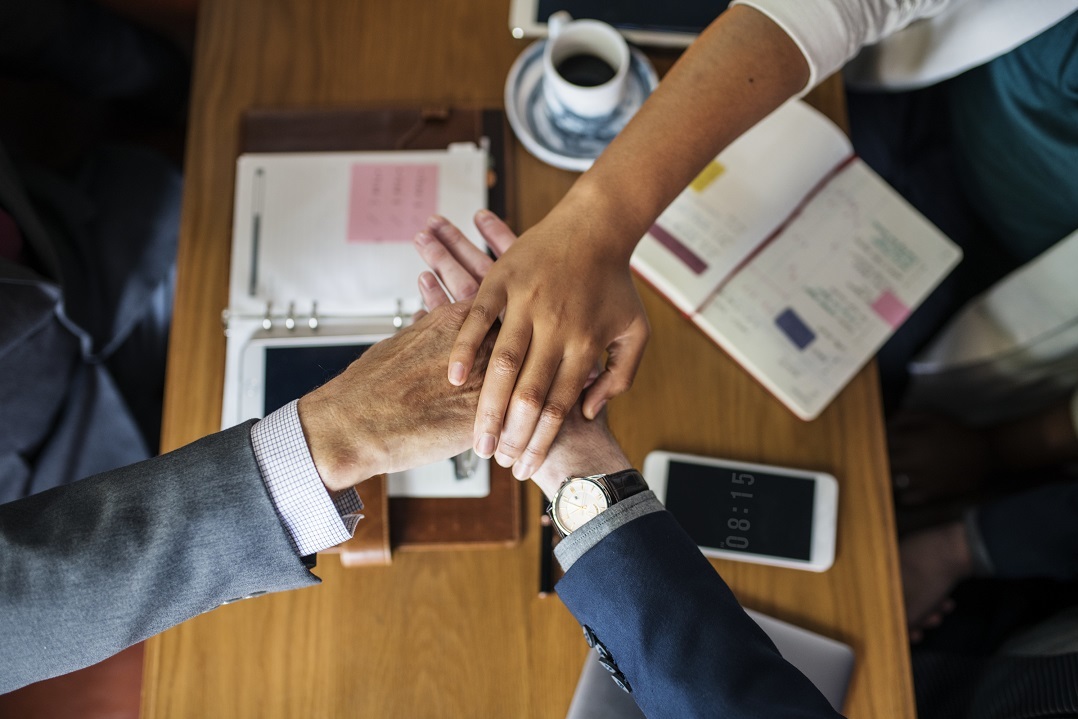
x=749 y=512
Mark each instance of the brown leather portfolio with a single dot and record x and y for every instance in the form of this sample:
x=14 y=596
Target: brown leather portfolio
x=412 y=523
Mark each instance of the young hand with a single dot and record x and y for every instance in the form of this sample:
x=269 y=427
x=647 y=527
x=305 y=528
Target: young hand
x=461 y=266
x=565 y=301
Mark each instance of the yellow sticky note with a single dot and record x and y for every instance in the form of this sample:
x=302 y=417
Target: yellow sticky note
x=705 y=178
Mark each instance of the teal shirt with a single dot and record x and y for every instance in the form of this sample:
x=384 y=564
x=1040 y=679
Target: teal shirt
x=1015 y=124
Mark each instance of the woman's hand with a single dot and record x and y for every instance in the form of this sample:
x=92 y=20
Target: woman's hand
x=564 y=299
x=534 y=411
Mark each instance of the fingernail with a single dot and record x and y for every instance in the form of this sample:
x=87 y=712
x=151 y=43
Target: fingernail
x=485 y=447
x=435 y=221
x=523 y=471
x=457 y=375
x=428 y=280
x=503 y=459
x=484 y=216
x=423 y=238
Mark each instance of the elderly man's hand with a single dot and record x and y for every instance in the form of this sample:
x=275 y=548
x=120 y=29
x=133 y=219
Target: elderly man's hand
x=583 y=446
x=392 y=409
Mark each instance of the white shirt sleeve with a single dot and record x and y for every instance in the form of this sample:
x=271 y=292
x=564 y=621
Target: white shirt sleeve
x=313 y=519
x=830 y=32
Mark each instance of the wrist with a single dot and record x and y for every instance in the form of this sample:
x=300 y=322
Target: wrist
x=589 y=459
x=616 y=219
x=343 y=453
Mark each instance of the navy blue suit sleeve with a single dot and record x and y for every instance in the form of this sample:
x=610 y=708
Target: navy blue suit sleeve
x=1034 y=533
x=676 y=632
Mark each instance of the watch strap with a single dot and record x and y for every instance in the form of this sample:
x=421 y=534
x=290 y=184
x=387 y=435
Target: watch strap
x=624 y=484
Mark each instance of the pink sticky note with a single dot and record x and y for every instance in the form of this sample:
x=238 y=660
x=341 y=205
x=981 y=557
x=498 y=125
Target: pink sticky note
x=390 y=202
x=891 y=309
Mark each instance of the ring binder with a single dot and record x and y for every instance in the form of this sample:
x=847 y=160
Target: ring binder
x=291 y=320
x=417 y=521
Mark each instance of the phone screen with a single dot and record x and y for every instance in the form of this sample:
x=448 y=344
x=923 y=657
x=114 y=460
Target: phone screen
x=292 y=372
x=739 y=511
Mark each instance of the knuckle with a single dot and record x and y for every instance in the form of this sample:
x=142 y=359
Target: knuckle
x=532 y=455
x=456 y=313
x=510 y=446
x=490 y=420
x=530 y=400
x=436 y=252
x=505 y=361
x=620 y=385
x=588 y=348
x=484 y=314
x=554 y=412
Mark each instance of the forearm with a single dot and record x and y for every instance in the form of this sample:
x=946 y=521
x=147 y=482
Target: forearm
x=108 y=561
x=750 y=60
x=740 y=69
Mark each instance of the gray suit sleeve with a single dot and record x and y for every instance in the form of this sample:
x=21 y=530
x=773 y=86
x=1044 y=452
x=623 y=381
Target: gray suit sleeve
x=91 y=568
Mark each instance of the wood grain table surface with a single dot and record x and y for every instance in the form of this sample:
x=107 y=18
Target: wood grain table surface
x=464 y=634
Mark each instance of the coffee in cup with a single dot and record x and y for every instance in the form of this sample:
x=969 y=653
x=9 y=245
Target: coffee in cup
x=585 y=70
x=585 y=67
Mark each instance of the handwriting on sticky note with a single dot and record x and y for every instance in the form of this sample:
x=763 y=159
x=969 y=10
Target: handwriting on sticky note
x=390 y=202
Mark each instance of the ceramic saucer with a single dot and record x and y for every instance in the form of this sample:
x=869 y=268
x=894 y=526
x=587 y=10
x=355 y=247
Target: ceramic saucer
x=575 y=142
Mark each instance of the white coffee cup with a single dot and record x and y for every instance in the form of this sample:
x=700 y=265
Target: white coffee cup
x=585 y=67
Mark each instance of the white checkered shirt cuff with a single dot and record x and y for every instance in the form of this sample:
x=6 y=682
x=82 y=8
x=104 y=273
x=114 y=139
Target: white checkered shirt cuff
x=313 y=519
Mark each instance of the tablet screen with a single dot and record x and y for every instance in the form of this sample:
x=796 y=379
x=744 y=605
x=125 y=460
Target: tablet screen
x=686 y=16
x=292 y=372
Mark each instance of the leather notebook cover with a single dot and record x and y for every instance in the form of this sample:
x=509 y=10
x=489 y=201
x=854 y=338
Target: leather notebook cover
x=414 y=523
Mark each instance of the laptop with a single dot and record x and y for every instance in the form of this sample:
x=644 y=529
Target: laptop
x=827 y=663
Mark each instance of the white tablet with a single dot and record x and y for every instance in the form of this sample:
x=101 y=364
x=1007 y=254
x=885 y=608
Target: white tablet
x=674 y=23
x=276 y=369
x=749 y=512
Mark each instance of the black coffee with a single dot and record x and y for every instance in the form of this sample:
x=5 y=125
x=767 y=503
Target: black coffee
x=585 y=70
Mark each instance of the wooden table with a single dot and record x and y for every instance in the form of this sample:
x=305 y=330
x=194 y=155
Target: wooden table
x=464 y=634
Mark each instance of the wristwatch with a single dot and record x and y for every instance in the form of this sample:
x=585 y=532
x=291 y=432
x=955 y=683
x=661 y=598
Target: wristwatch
x=580 y=499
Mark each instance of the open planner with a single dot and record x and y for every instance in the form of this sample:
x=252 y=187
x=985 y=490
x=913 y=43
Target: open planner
x=794 y=257
x=323 y=266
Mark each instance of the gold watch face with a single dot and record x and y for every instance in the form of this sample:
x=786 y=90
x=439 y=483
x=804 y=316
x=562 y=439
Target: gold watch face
x=577 y=501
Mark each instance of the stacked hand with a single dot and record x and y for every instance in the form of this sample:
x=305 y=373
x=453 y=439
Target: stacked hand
x=583 y=446
x=392 y=409
x=565 y=301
